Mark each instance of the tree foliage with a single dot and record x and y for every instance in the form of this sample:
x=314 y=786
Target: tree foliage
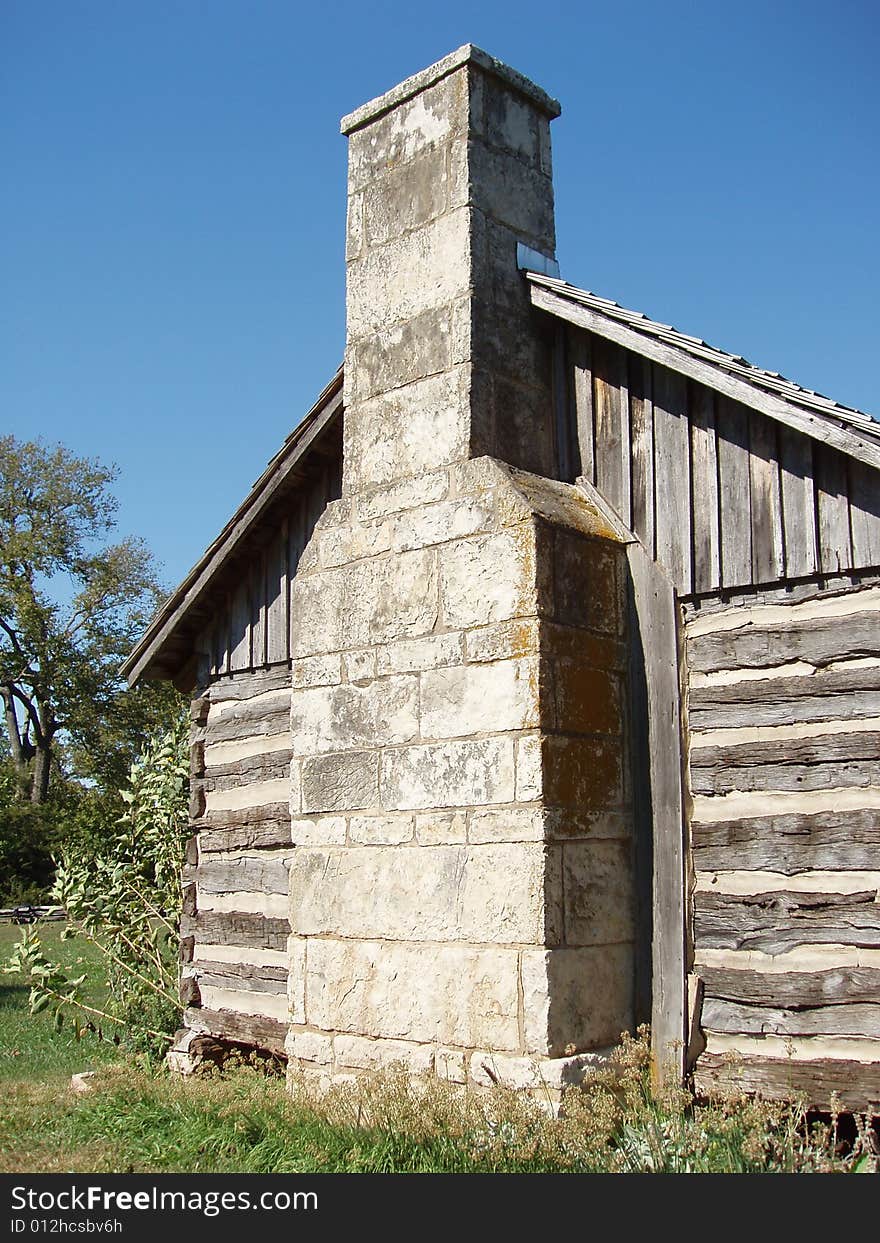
x=126 y=901
x=71 y=606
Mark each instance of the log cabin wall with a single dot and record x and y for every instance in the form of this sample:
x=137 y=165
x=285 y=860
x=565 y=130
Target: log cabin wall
x=783 y=707
x=235 y=924
x=771 y=540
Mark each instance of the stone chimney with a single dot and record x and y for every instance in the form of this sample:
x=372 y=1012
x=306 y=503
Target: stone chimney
x=446 y=173
x=461 y=887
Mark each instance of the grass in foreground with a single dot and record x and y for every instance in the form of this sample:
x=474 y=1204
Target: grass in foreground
x=142 y=1120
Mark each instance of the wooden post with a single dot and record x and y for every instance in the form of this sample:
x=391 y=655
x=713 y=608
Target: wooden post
x=661 y=973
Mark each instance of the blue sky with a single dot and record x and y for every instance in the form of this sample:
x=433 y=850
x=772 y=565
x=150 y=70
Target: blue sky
x=171 y=225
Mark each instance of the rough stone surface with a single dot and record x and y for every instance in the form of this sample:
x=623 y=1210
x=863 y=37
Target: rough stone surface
x=376 y=987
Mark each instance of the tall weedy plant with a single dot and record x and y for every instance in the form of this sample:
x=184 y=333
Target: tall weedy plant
x=127 y=902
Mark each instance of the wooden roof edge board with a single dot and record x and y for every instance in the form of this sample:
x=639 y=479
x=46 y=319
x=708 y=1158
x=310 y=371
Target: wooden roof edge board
x=863 y=447
x=261 y=495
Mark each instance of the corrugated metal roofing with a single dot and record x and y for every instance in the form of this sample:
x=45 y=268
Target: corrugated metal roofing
x=772 y=382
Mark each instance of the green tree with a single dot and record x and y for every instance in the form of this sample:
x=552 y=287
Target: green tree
x=71 y=605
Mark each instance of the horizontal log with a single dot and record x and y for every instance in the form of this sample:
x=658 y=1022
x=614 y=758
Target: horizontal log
x=259 y=720
x=249 y=1029
x=826 y=748
x=269 y=764
x=244 y=817
x=841 y=774
x=824 y=683
x=819 y=640
x=242 y=971
x=829 y=841
x=856 y=1084
x=774 y=923
x=263 y=836
x=224 y=777
x=236 y=928
x=242 y=983
x=834 y=986
x=733 y=1017
x=252 y=875
x=247 y=685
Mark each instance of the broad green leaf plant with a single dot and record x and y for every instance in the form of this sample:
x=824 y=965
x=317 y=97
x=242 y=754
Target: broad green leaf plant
x=127 y=902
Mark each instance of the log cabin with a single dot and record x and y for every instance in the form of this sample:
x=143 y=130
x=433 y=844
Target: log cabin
x=536 y=682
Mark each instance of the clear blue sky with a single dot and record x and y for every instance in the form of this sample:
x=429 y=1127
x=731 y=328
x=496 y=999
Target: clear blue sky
x=171 y=224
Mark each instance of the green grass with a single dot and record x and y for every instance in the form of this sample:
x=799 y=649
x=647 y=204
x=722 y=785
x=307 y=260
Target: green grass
x=30 y=1048
x=138 y=1118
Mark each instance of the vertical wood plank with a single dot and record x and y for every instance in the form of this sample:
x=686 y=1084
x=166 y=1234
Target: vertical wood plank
x=833 y=502
x=766 y=507
x=240 y=625
x=612 y=427
x=659 y=807
x=704 y=476
x=261 y=609
x=672 y=469
x=864 y=513
x=731 y=423
x=641 y=413
x=581 y=369
x=276 y=576
x=565 y=465
x=798 y=503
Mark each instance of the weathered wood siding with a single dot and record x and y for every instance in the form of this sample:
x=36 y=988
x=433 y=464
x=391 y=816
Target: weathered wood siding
x=784 y=770
x=251 y=628
x=235 y=924
x=722 y=496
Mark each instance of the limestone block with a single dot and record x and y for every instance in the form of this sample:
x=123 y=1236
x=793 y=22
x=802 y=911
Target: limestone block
x=415 y=655
x=376 y=988
x=424 y=123
x=416 y=272
x=493 y=894
x=309 y=1046
x=349 y=716
x=582 y=647
x=473 y=699
x=529 y=769
x=506 y=824
x=411 y=493
x=340 y=782
x=451 y=1065
x=360 y=1053
x=321 y=831
x=341 y=545
x=437 y=524
x=588 y=701
x=511 y=122
x=441 y=828
x=407 y=432
x=413 y=349
x=588 y=592
x=354 y=226
x=567 y=823
x=584 y=773
x=316 y=613
x=381 y=830
x=503 y=641
x=360 y=666
x=405 y=198
x=296 y=979
x=534 y=1073
x=390 y=599
x=295 y=789
x=451 y=774
x=599 y=901
x=576 y=999
x=488 y=578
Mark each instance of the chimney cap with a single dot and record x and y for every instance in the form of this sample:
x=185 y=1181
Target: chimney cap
x=467 y=54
